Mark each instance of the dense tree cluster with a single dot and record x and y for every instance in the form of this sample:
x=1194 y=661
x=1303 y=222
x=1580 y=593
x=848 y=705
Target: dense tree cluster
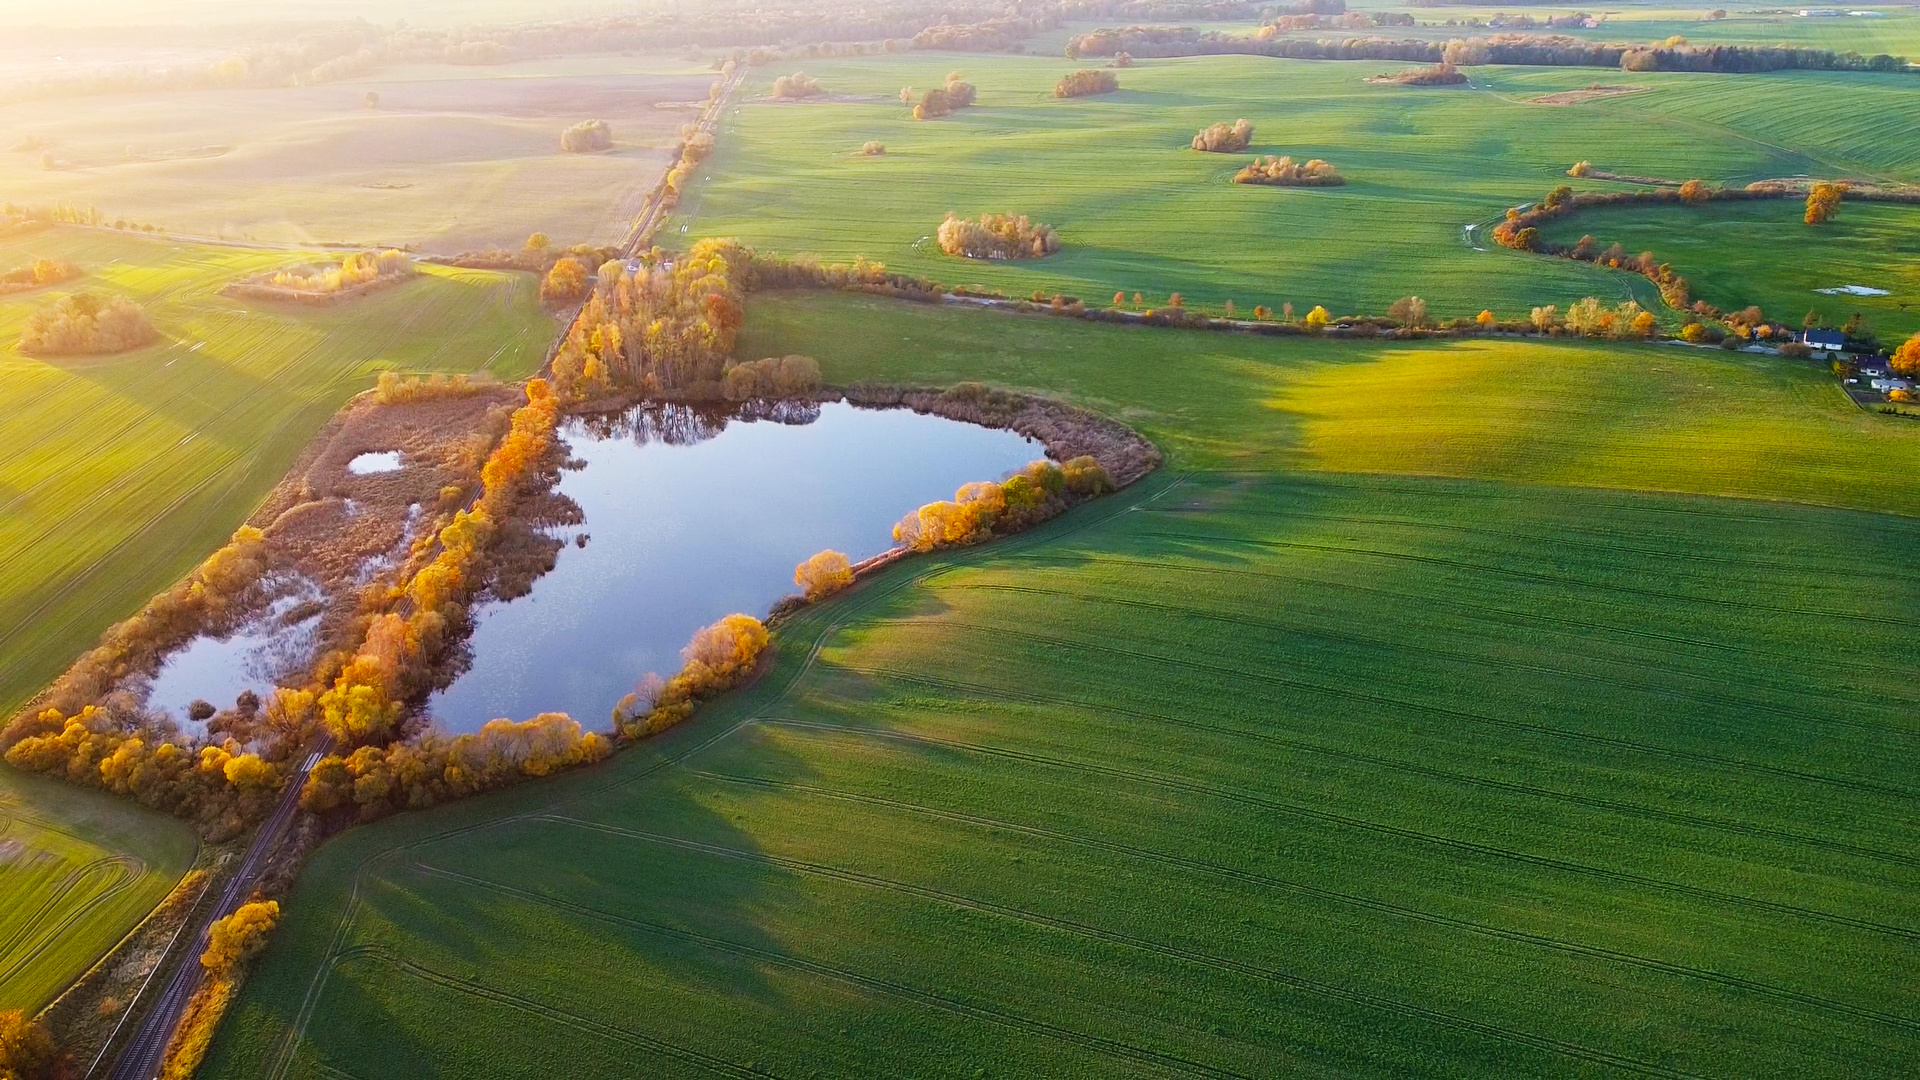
x=980 y=510
x=1283 y=171
x=996 y=236
x=773 y=377
x=994 y=35
x=719 y=657
x=1441 y=74
x=86 y=322
x=1086 y=82
x=38 y=273
x=1556 y=50
x=587 y=136
x=1823 y=202
x=664 y=328
x=823 y=574
x=797 y=85
x=956 y=93
x=374 y=781
x=1224 y=138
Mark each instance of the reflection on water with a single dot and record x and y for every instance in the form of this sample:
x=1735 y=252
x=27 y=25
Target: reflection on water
x=274 y=647
x=692 y=515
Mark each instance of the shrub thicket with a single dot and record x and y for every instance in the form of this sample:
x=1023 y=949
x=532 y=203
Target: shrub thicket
x=797 y=85
x=38 y=273
x=953 y=95
x=86 y=323
x=997 y=236
x=1223 y=138
x=587 y=136
x=1283 y=171
x=823 y=574
x=980 y=510
x=1086 y=82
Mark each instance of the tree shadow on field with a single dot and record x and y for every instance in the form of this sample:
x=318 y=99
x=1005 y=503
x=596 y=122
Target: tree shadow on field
x=217 y=387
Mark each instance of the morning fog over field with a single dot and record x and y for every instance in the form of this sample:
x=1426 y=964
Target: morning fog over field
x=958 y=538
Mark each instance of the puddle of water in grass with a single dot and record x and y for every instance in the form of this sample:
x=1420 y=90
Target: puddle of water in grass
x=691 y=516
x=374 y=461
x=278 y=644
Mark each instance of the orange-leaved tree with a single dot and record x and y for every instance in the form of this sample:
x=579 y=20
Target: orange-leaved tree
x=823 y=574
x=1906 y=358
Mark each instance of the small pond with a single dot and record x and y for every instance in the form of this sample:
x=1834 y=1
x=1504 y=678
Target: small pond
x=691 y=516
x=275 y=646
x=374 y=461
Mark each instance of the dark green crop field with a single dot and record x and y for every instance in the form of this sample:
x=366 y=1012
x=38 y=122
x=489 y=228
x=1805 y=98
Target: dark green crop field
x=1314 y=754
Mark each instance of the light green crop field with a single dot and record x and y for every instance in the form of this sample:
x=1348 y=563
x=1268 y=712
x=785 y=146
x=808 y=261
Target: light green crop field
x=1893 y=30
x=119 y=473
x=1138 y=211
x=1284 y=762
x=1736 y=254
x=77 y=870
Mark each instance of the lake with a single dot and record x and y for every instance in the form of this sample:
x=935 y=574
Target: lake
x=692 y=515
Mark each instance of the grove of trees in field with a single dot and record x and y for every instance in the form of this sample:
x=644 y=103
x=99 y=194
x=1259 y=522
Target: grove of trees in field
x=86 y=322
x=996 y=236
x=956 y=93
x=36 y=274
x=1224 y=138
x=587 y=136
x=1283 y=171
x=665 y=328
x=797 y=85
x=1086 y=82
x=357 y=268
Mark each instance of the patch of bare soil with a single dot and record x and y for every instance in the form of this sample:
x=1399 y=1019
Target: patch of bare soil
x=1592 y=93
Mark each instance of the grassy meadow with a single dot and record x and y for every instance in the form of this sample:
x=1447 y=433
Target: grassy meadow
x=1395 y=729
x=1138 y=211
x=1736 y=254
x=77 y=870
x=119 y=473
x=453 y=158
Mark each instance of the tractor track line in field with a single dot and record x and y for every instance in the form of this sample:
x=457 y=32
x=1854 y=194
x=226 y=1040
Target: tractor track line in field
x=531 y=1007
x=868 y=983
x=1253 y=971
x=1484 y=612
x=1538 y=729
x=1281 y=884
x=1545 y=579
x=128 y=872
x=1651 y=813
x=1329 y=817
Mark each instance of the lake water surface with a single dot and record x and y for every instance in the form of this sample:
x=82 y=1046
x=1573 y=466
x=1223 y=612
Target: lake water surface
x=690 y=517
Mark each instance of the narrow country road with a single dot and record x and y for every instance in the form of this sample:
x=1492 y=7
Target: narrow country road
x=140 y=1060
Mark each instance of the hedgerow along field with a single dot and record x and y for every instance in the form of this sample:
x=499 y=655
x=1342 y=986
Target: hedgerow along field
x=1741 y=253
x=1259 y=768
x=1138 y=211
x=176 y=443
x=78 y=869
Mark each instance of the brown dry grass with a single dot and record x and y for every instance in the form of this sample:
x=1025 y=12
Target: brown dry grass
x=1591 y=93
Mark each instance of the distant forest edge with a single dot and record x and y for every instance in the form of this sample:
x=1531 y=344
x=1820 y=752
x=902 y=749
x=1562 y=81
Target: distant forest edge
x=335 y=52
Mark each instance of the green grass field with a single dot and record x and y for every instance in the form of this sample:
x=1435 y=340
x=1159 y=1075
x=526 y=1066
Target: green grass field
x=77 y=870
x=119 y=473
x=1139 y=211
x=1738 y=254
x=1392 y=730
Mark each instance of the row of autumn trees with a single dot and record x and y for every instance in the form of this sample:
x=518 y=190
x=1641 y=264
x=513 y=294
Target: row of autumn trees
x=1538 y=50
x=981 y=510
